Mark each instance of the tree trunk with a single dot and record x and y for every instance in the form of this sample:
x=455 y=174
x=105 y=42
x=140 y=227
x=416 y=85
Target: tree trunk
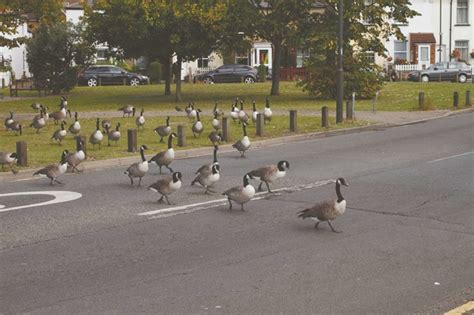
x=179 y=61
x=276 y=68
x=166 y=62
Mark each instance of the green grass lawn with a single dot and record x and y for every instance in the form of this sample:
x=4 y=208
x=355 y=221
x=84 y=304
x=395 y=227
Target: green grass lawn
x=42 y=150
x=396 y=96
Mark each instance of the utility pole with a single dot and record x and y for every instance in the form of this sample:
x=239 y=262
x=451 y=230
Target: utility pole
x=340 y=65
x=440 y=29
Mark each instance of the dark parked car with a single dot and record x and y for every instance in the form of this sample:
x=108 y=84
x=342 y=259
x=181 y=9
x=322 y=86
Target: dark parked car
x=443 y=71
x=229 y=73
x=108 y=74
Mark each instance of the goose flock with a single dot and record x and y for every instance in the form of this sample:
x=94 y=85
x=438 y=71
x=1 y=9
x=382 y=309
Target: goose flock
x=207 y=176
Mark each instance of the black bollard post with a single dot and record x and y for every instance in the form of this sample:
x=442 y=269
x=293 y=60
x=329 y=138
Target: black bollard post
x=259 y=125
x=421 y=101
x=22 y=153
x=293 y=121
x=324 y=117
x=181 y=136
x=455 y=100
x=349 y=110
x=468 y=98
x=132 y=140
x=225 y=129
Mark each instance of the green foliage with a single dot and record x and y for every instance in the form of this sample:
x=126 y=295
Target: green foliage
x=262 y=73
x=54 y=54
x=154 y=71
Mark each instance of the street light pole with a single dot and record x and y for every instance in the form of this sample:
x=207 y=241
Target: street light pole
x=340 y=64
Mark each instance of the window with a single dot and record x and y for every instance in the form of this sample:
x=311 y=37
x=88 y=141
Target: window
x=301 y=56
x=463 y=47
x=370 y=56
x=242 y=59
x=203 y=62
x=400 y=50
x=462 y=16
x=101 y=54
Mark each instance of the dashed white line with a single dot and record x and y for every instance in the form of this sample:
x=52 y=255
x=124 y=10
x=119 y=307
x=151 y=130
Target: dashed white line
x=59 y=196
x=451 y=157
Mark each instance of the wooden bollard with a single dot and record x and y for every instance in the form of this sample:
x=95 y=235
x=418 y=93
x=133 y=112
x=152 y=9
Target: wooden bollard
x=324 y=117
x=421 y=101
x=22 y=153
x=84 y=141
x=468 y=98
x=349 y=110
x=181 y=136
x=293 y=121
x=455 y=99
x=132 y=140
x=225 y=129
x=259 y=125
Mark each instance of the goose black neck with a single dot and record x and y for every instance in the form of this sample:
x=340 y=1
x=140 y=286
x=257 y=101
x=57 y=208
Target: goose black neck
x=197 y=116
x=245 y=130
x=170 y=142
x=117 y=128
x=215 y=106
x=246 y=181
x=215 y=155
x=97 y=124
x=241 y=105
x=254 y=109
x=75 y=116
x=280 y=166
x=338 y=192
x=168 y=121
x=142 y=153
x=63 y=158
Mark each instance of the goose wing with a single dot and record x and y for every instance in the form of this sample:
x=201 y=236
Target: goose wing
x=51 y=170
x=157 y=156
x=322 y=211
x=205 y=167
x=162 y=186
x=233 y=192
x=265 y=172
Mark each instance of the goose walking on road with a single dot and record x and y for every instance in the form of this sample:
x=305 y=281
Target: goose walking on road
x=167 y=186
x=97 y=136
x=243 y=144
x=268 y=174
x=207 y=167
x=165 y=158
x=207 y=178
x=163 y=131
x=10 y=159
x=53 y=171
x=240 y=194
x=138 y=169
x=327 y=210
x=76 y=158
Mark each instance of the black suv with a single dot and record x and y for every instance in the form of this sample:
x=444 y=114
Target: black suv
x=229 y=73
x=443 y=71
x=107 y=74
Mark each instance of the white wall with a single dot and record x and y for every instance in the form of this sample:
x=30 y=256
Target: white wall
x=17 y=55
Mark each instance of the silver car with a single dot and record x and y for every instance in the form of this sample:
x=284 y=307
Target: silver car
x=443 y=71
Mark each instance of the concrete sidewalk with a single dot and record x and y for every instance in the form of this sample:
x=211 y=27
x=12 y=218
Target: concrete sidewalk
x=379 y=120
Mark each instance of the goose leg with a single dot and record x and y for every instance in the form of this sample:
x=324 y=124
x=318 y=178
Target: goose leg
x=161 y=199
x=171 y=170
x=330 y=225
x=51 y=182
x=131 y=180
x=161 y=140
x=160 y=170
x=57 y=181
x=316 y=225
x=230 y=204
x=140 y=181
x=167 y=200
x=260 y=187
x=242 y=207
x=268 y=187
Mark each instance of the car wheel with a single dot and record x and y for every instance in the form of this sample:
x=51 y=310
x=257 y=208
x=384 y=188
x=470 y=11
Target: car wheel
x=92 y=82
x=249 y=80
x=462 y=78
x=425 y=78
x=134 y=82
x=208 y=80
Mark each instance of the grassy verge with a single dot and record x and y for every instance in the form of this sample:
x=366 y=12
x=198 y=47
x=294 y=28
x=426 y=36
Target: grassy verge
x=396 y=96
x=42 y=150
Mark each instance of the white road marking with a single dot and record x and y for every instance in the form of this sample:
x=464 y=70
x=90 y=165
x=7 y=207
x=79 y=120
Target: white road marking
x=166 y=212
x=451 y=157
x=59 y=196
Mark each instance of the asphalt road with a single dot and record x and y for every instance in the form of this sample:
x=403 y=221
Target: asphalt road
x=406 y=246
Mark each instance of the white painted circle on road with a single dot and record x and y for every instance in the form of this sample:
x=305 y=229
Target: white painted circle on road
x=59 y=197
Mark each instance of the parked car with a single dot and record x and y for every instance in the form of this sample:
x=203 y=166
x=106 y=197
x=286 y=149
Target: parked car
x=443 y=71
x=108 y=74
x=229 y=73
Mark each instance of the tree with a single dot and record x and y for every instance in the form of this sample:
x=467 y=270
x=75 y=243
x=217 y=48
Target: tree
x=366 y=28
x=54 y=52
x=14 y=13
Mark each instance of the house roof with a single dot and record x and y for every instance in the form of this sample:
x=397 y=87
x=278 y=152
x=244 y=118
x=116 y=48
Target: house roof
x=427 y=38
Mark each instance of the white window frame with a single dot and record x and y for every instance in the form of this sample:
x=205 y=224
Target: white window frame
x=201 y=61
x=101 y=51
x=459 y=9
x=463 y=49
x=395 y=52
x=370 y=56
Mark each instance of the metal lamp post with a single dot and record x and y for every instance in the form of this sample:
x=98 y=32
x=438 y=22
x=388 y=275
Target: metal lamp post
x=340 y=65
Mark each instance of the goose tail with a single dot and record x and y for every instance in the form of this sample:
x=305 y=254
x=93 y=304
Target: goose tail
x=302 y=214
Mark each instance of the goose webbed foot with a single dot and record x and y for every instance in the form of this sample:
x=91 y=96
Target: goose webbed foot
x=316 y=225
x=161 y=199
x=268 y=187
x=171 y=170
x=167 y=200
x=332 y=229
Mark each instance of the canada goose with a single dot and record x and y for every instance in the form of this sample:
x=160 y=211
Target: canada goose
x=234 y=112
x=268 y=174
x=207 y=178
x=96 y=137
x=63 y=101
x=165 y=158
x=8 y=158
x=52 y=171
x=128 y=110
x=113 y=135
x=216 y=123
x=39 y=121
x=105 y=123
x=217 y=111
x=197 y=127
x=167 y=186
x=36 y=106
x=244 y=144
x=327 y=210
x=254 y=113
x=215 y=137
x=16 y=127
x=61 y=114
x=191 y=113
x=267 y=112
x=76 y=158
x=243 y=117
x=207 y=167
x=59 y=134
x=163 y=131
x=138 y=169
x=240 y=194
x=75 y=127
x=140 y=120
x=9 y=121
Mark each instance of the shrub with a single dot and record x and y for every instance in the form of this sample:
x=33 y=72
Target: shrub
x=154 y=71
x=262 y=73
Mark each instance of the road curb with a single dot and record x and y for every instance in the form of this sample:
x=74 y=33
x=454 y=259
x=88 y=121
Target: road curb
x=90 y=166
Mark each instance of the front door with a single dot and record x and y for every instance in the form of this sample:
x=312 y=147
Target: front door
x=424 y=56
